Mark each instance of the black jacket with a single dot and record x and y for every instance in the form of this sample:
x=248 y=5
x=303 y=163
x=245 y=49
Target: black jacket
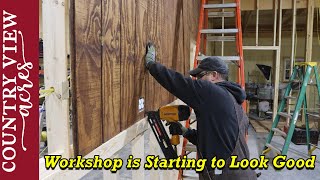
x=217 y=127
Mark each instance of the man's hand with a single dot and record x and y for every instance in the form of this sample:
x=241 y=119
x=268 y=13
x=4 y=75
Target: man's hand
x=183 y=129
x=150 y=54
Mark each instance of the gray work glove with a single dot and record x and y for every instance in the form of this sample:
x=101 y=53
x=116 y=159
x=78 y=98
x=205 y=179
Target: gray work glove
x=150 y=55
x=183 y=129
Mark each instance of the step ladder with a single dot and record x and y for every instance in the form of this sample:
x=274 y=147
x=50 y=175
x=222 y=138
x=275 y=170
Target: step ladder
x=302 y=71
x=221 y=35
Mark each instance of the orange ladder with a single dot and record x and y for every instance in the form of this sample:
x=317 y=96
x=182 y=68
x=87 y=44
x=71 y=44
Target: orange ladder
x=203 y=33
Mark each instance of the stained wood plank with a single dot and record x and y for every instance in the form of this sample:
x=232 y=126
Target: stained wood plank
x=171 y=6
x=157 y=19
x=151 y=99
x=87 y=49
x=191 y=17
x=141 y=21
x=111 y=68
x=179 y=37
x=128 y=58
x=162 y=40
x=107 y=92
x=186 y=14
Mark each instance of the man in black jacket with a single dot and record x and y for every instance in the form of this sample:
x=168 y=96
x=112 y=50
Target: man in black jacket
x=221 y=122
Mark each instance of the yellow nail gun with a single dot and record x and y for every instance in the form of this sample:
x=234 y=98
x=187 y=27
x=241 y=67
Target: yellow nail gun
x=170 y=114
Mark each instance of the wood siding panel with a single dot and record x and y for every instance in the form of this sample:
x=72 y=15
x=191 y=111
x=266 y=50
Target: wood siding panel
x=87 y=73
x=141 y=41
x=109 y=38
x=128 y=59
x=111 y=68
x=152 y=87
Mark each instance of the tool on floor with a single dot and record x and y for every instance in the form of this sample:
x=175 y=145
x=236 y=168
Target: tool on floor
x=304 y=78
x=170 y=114
x=224 y=10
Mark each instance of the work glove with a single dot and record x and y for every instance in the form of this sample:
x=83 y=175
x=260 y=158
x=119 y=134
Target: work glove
x=150 y=55
x=183 y=129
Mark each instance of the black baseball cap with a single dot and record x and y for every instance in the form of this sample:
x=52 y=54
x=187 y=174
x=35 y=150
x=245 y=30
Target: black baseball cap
x=212 y=63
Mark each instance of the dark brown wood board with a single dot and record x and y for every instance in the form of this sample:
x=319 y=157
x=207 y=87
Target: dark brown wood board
x=111 y=68
x=128 y=58
x=152 y=101
x=87 y=76
x=141 y=21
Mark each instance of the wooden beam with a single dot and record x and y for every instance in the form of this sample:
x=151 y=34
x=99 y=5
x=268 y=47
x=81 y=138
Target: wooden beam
x=309 y=31
x=261 y=48
x=276 y=83
x=275 y=22
x=277 y=64
x=276 y=69
x=55 y=67
x=223 y=26
x=293 y=35
x=257 y=22
x=309 y=41
x=293 y=51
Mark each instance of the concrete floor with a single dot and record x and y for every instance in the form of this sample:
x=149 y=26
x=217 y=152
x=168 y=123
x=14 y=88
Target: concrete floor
x=256 y=142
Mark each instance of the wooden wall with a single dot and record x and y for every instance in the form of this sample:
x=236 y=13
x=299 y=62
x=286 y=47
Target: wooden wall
x=108 y=39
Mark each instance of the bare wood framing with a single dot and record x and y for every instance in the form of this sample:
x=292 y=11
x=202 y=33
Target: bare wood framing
x=261 y=48
x=257 y=22
x=309 y=41
x=309 y=31
x=276 y=84
x=293 y=50
x=275 y=2
x=222 y=42
x=277 y=71
x=55 y=67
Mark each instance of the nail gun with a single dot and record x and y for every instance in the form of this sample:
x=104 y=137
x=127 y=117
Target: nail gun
x=170 y=114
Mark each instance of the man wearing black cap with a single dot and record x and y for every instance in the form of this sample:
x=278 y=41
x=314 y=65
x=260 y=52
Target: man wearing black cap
x=221 y=122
